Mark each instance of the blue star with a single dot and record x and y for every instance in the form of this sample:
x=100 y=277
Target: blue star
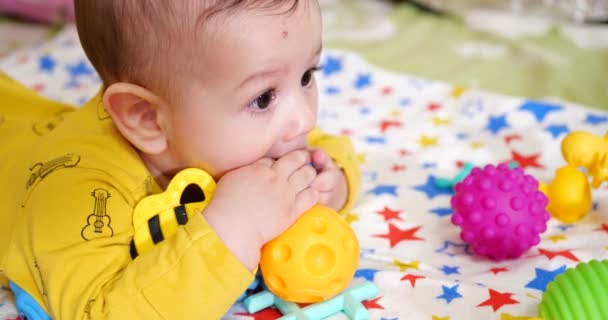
x=389 y=319
x=473 y=108
x=539 y=109
x=429 y=165
x=449 y=294
x=364 y=110
x=363 y=81
x=364 y=251
x=367 y=274
x=332 y=65
x=447 y=270
x=442 y=212
x=80 y=69
x=46 y=63
x=462 y=136
x=332 y=91
x=557 y=130
x=384 y=189
x=463 y=248
x=371 y=175
x=594 y=119
x=376 y=140
x=431 y=190
x=405 y=102
x=495 y=124
x=565 y=227
x=543 y=277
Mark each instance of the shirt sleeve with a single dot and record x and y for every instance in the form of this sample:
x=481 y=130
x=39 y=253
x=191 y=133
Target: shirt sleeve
x=80 y=235
x=341 y=150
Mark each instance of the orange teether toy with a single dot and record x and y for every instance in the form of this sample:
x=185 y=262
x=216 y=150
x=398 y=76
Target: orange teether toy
x=315 y=259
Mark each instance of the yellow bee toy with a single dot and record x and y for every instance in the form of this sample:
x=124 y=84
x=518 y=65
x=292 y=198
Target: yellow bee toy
x=315 y=259
x=569 y=193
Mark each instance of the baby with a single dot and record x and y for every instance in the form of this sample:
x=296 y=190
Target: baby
x=225 y=86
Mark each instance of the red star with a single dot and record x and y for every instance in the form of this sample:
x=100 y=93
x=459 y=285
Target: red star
x=526 y=161
x=385 y=124
x=433 y=107
x=512 y=137
x=372 y=304
x=398 y=167
x=346 y=132
x=459 y=164
x=404 y=153
x=356 y=101
x=266 y=314
x=396 y=235
x=498 y=299
x=389 y=214
x=38 y=87
x=22 y=60
x=552 y=254
x=387 y=91
x=499 y=270
x=412 y=279
x=604 y=228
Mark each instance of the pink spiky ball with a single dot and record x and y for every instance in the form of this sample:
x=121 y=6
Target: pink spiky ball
x=500 y=211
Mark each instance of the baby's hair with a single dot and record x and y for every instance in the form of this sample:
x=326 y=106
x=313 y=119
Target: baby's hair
x=146 y=42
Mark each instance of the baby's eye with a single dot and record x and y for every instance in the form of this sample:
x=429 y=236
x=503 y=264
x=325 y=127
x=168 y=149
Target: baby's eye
x=263 y=101
x=307 y=76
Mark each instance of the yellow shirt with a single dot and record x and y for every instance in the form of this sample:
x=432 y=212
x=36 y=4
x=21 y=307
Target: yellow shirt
x=71 y=182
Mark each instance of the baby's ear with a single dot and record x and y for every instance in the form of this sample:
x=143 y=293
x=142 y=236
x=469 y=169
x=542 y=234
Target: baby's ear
x=138 y=114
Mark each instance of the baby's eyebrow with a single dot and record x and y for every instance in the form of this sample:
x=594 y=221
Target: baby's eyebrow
x=260 y=75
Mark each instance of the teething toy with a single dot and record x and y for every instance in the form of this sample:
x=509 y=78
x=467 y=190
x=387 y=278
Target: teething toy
x=578 y=293
x=158 y=216
x=584 y=149
x=569 y=194
x=500 y=211
x=313 y=260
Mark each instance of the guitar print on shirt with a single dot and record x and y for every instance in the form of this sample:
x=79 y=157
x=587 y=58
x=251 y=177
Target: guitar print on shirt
x=98 y=222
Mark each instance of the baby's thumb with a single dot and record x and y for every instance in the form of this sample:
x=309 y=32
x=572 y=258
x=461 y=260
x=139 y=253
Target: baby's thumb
x=304 y=201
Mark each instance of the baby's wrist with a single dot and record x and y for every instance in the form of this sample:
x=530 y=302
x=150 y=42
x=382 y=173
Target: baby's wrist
x=236 y=235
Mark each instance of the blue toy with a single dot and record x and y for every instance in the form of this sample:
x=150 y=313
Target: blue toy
x=348 y=302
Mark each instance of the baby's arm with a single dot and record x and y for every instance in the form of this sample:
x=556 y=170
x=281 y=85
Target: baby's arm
x=86 y=272
x=342 y=152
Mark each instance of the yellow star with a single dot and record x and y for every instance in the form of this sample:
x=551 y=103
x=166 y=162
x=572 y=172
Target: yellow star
x=351 y=217
x=457 y=92
x=506 y=316
x=441 y=318
x=396 y=113
x=557 y=238
x=476 y=145
x=362 y=157
x=441 y=122
x=404 y=266
x=427 y=141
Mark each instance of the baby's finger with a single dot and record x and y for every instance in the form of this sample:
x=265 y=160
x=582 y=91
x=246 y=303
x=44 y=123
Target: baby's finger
x=325 y=181
x=291 y=162
x=302 y=178
x=319 y=158
x=304 y=201
x=266 y=162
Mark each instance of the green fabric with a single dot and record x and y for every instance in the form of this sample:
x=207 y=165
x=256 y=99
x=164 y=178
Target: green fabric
x=535 y=67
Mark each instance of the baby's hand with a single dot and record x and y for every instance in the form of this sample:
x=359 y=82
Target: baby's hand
x=254 y=204
x=330 y=181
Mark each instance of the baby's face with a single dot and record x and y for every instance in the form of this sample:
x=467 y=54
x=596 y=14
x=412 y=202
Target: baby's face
x=257 y=95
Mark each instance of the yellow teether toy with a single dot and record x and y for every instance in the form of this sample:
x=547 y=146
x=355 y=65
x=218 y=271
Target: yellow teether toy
x=584 y=149
x=158 y=216
x=315 y=259
x=569 y=194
